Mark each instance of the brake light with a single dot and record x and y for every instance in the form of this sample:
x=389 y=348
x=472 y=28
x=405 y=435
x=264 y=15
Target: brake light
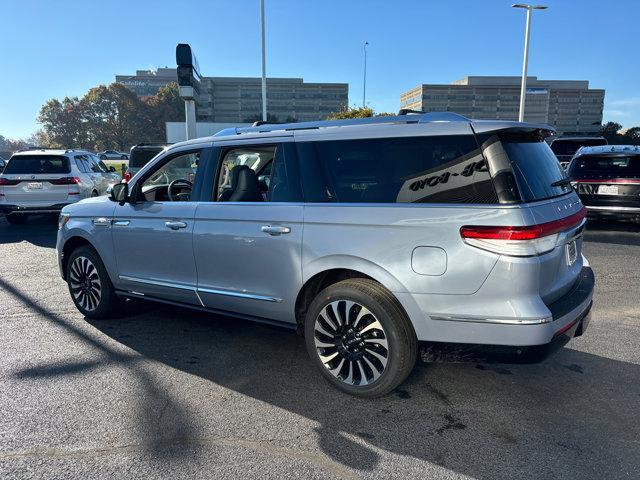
x=521 y=241
x=127 y=177
x=64 y=181
x=6 y=181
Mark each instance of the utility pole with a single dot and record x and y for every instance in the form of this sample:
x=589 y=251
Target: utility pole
x=364 y=81
x=523 y=85
x=264 y=66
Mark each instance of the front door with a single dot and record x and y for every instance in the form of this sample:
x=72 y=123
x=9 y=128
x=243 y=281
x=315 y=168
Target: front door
x=153 y=235
x=248 y=239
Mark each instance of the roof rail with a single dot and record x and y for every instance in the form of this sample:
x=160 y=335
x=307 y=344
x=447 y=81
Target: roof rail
x=409 y=111
x=403 y=119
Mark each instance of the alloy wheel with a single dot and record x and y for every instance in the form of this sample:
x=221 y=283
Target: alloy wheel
x=351 y=342
x=84 y=282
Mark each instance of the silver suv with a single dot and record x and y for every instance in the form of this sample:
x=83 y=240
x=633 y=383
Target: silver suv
x=368 y=235
x=44 y=181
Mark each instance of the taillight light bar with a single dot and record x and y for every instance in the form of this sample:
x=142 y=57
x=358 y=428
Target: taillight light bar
x=609 y=181
x=64 y=181
x=521 y=241
x=6 y=181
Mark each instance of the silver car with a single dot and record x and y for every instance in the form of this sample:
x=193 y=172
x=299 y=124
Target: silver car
x=368 y=235
x=44 y=181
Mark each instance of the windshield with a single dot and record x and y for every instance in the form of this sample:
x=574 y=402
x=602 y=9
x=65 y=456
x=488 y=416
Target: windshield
x=609 y=165
x=141 y=156
x=569 y=147
x=37 y=164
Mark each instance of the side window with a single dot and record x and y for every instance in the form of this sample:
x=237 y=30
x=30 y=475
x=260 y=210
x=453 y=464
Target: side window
x=81 y=163
x=93 y=166
x=253 y=174
x=438 y=169
x=181 y=167
x=101 y=165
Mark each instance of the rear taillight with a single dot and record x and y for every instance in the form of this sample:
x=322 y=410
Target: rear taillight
x=127 y=176
x=6 y=181
x=64 y=181
x=519 y=241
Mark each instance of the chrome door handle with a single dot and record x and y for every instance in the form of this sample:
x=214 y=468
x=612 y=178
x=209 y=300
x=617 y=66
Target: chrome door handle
x=275 y=229
x=120 y=223
x=175 y=225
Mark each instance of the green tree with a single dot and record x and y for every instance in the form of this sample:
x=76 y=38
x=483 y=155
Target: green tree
x=610 y=131
x=64 y=123
x=164 y=106
x=356 y=112
x=632 y=136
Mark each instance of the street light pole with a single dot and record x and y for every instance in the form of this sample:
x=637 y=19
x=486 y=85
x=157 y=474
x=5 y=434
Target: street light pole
x=364 y=81
x=523 y=85
x=264 y=66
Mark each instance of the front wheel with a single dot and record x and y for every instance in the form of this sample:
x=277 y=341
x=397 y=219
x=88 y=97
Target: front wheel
x=90 y=286
x=360 y=338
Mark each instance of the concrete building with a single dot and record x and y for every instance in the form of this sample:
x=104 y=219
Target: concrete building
x=239 y=99
x=568 y=105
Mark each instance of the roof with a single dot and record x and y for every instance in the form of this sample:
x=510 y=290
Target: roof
x=610 y=150
x=429 y=122
x=47 y=151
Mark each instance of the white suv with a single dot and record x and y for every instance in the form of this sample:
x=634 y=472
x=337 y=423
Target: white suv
x=44 y=181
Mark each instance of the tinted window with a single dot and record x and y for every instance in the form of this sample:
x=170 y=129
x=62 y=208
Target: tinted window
x=81 y=163
x=609 y=165
x=569 y=147
x=442 y=169
x=141 y=156
x=37 y=164
x=534 y=165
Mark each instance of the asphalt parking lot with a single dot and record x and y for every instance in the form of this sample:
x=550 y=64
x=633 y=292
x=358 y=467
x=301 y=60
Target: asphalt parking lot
x=168 y=393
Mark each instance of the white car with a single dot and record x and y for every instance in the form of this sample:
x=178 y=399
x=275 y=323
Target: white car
x=113 y=155
x=44 y=181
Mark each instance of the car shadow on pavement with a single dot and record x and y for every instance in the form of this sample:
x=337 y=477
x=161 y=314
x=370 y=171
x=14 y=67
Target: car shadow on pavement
x=39 y=230
x=610 y=231
x=573 y=416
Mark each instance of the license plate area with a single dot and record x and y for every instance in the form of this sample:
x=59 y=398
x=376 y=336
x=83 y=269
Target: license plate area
x=571 y=250
x=34 y=185
x=608 y=189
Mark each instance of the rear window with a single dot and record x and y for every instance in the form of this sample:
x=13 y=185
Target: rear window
x=534 y=166
x=37 y=164
x=609 y=165
x=569 y=147
x=439 y=169
x=140 y=157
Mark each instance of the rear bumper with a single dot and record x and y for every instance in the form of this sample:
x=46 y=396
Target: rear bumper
x=612 y=211
x=7 y=209
x=559 y=320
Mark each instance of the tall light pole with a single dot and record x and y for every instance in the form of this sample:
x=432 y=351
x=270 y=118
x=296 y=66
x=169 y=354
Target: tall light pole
x=264 y=65
x=364 y=81
x=523 y=86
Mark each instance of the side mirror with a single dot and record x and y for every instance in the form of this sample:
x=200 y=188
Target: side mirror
x=112 y=169
x=120 y=193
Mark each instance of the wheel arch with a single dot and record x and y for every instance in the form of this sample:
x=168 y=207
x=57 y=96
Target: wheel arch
x=71 y=244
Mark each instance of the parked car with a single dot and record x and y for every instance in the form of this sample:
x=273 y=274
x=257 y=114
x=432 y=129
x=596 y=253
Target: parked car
x=112 y=155
x=369 y=235
x=565 y=147
x=44 y=181
x=140 y=155
x=607 y=180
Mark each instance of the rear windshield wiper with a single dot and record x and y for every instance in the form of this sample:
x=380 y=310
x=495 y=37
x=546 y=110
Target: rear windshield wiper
x=562 y=182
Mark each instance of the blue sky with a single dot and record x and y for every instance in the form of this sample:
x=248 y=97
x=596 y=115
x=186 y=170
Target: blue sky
x=57 y=48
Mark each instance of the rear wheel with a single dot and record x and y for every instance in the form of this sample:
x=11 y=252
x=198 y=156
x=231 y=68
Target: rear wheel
x=90 y=286
x=360 y=338
x=16 y=218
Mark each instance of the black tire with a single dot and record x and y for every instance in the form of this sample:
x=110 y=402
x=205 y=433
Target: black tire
x=16 y=218
x=356 y=337
x=103 y=157
x=123 y=157
x=101 y=302
x=94 y=194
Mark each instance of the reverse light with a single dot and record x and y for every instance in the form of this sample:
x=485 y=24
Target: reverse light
x=520 y=241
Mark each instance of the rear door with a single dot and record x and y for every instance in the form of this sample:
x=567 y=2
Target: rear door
x=37 y=180
x=248 y=238
x=610 y=181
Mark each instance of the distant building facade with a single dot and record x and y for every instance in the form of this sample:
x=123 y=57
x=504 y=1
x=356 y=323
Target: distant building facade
x=239 y=99
x=570 y=106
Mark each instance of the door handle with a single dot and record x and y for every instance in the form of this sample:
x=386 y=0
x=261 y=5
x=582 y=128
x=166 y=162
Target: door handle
x=120 y=223
x=173 y=225
x=275 y=229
